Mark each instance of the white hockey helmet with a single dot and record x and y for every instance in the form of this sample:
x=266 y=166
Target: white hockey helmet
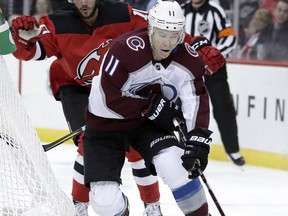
x=70 y=1
x=166 y=15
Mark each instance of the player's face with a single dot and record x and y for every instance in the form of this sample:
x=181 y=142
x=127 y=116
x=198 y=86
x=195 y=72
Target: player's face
x=163 y=43
x=197 y=3
x=86 y=8
x=42 y=7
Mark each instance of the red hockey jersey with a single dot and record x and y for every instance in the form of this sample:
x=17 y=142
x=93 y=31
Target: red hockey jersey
x=81 y=47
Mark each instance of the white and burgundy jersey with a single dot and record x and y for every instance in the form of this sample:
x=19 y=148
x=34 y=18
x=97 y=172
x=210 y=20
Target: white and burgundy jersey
x=129 y=76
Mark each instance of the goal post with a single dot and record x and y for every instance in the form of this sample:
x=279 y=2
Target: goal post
x=28 y=186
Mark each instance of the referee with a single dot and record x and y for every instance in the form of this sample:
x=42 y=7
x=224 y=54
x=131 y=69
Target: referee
x=207 y=18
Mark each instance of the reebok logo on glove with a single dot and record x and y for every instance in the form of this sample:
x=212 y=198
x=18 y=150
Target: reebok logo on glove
x=158 y=109
x=201 y=140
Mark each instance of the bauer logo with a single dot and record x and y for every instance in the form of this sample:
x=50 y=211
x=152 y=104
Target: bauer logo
x=158 y=110
x=162 y=139
x=201 y=139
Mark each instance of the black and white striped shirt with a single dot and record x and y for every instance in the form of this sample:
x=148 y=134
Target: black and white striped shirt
x=210 y=21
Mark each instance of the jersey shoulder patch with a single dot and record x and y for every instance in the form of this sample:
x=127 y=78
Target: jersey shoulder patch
x=191 y=50
x=135 y=43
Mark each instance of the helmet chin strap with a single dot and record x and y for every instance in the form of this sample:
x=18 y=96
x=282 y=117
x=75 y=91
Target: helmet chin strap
x=150 y=33
x=155 y=55
x=154 y=52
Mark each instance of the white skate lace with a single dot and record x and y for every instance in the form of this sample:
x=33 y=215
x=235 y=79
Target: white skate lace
x=82 y=208
x=153 y=209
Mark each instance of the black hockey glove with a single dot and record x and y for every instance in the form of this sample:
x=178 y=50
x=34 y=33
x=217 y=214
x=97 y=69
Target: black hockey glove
x=162 y=112
x=196 y=151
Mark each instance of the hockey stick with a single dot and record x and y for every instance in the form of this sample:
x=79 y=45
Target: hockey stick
x=63 y=139
x=181 y=137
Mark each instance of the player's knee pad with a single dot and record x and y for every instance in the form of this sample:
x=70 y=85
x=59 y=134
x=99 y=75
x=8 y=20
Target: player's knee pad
x=189 y=194
x=106 y=198
x=169 y=167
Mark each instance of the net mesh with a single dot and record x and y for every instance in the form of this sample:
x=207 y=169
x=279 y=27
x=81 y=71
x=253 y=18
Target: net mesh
x=27 y=182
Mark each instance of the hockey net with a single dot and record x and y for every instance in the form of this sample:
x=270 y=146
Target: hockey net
x=27 y=183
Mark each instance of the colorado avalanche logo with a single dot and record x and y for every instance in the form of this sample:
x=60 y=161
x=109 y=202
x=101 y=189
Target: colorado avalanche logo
x=145 y=89
x=191 y=50
x=135 y=43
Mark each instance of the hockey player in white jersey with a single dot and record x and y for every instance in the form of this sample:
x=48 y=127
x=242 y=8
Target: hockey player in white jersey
x=146 y=81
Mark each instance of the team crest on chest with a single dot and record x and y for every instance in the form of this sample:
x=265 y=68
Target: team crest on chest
x=89 y=65
x=135 y=43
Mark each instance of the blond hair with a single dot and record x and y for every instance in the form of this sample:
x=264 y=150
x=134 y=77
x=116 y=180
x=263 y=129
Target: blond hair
x=264 y=15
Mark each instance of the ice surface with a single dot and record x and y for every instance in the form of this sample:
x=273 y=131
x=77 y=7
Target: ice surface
x=251 y=191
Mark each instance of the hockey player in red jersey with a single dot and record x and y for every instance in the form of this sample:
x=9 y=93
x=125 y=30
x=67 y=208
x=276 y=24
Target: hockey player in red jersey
x=79 y=35
x=145 y=82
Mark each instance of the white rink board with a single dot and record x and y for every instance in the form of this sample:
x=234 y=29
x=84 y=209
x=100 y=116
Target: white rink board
x=260 y=97
x=44 y=110
x=259 y=93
